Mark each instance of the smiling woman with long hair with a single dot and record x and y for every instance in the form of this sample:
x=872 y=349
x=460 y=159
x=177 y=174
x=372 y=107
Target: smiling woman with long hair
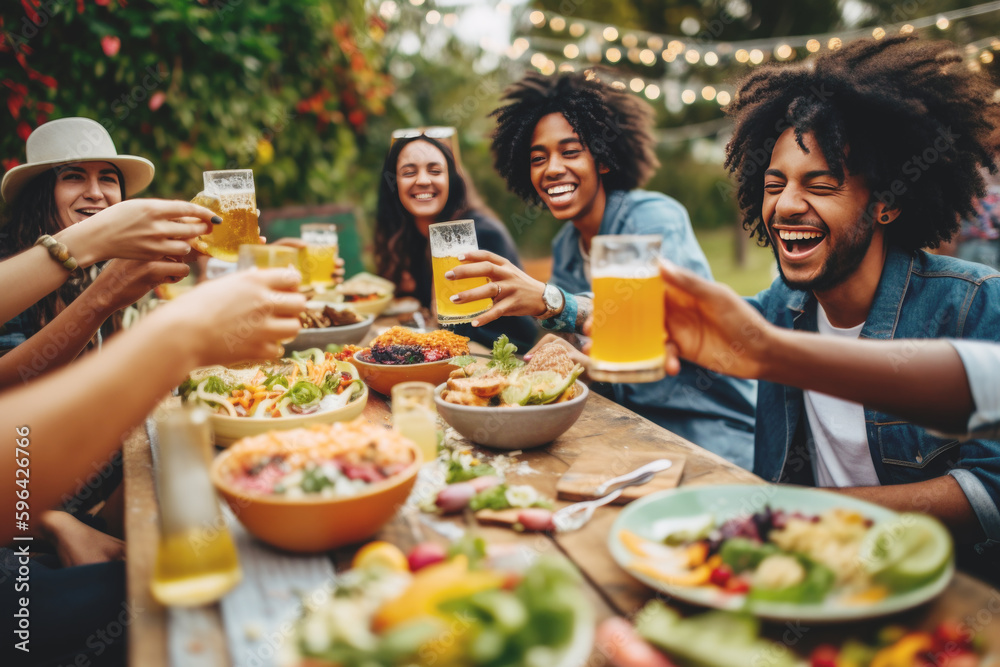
x=421 y=184
x=60 y=198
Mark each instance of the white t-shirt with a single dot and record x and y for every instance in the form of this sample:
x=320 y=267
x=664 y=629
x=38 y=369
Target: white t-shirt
x=982 y=367
x=841 y=452
x=586 y=263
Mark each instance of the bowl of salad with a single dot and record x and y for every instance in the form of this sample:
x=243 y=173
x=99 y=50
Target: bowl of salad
x=406 y=355
x=309 y=387
x=314 y=489
x=458 y=612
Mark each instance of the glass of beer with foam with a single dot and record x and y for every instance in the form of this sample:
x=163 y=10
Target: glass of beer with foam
x=628 y=334
x=229 y=193
x=319 y=257
x=448 y=240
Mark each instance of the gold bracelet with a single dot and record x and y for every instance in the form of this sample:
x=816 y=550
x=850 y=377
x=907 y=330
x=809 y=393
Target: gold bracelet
x=58 y=251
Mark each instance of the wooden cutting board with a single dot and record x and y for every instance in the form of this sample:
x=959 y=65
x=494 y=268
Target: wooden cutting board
x=590 y=470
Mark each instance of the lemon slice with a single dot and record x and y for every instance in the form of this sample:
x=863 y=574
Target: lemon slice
x=382 y=555
x=906 y=552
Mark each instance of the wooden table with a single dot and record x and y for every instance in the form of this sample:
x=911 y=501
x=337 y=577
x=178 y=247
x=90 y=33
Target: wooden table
x=242 y=631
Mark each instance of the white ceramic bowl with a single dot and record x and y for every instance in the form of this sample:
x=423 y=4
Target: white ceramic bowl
x=230 y=429
x=348 y=334
x=513 y=428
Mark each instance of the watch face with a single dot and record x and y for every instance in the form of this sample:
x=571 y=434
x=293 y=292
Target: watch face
x=552 y=297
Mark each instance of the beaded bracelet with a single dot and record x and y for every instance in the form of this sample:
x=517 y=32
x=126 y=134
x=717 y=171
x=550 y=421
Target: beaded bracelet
x=59 y=252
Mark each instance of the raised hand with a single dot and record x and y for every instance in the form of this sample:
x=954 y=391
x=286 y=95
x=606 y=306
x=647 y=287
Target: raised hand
x=513 y=291
x=147 y=229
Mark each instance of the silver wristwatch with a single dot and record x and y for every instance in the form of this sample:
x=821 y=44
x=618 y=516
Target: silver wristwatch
x=554 y=301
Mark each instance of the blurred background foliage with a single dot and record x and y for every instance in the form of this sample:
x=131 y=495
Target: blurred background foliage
x=307 y=92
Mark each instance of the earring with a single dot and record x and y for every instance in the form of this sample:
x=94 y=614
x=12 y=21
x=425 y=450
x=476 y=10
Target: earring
x=885 y=217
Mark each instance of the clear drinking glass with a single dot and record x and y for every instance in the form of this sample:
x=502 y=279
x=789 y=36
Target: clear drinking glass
x=231 y=194
x=628 y=334
x=448 y=240
x=196 y=560
x=414 y=415
x=319 y=257
x=267 y=257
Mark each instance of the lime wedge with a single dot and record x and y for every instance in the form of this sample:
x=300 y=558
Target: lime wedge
x=516 y=393
x=906 y=552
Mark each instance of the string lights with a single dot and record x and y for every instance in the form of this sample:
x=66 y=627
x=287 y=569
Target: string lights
x=577 y=44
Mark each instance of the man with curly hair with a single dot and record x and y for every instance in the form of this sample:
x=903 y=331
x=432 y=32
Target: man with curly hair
x=847 y=167
x=582 y=147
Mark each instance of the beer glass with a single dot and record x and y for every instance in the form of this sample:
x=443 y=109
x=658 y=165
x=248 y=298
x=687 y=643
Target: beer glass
x=628 y=334
x=196 y=560
x=319 y=257
x=414 y=415
x=231 y=194
x=448 y=240
x=267 y=257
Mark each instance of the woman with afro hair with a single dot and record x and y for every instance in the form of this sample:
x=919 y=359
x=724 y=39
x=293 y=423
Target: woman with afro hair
x=581 y=147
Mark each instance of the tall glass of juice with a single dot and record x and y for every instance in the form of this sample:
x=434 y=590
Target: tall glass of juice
x=628 y=333
x=319 y=259
x=414 y=415
x=231 y=194
x=196 y=560
x=448 y=240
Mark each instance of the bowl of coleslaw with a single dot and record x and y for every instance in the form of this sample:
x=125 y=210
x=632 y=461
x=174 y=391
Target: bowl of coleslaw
x=312 y=387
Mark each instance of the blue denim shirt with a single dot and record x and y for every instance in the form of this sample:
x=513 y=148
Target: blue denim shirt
x=919 y=296
x=711 y=410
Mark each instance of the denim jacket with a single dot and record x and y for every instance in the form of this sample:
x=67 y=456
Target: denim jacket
x=711 y=410
x=919 y=296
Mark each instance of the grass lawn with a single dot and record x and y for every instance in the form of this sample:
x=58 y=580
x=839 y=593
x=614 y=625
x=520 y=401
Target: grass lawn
x=719 y=246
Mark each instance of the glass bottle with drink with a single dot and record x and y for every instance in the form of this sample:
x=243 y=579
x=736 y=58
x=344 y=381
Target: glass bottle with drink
x=628 y=332
x=319 y=257
x=414 y=415
x=448 y=240
x=231 y=194
x=196 y=560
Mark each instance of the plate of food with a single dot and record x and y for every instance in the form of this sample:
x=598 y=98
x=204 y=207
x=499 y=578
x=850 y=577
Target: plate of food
x=309 y=387
x=457 y=611
x=783 y=553
x=406 y=355
x=364 y=293
x=502 y=402
x=325 y=324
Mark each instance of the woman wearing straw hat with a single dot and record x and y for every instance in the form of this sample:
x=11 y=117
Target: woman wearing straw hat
x=63 y=201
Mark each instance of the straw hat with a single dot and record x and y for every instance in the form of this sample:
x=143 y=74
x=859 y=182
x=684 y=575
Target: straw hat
x=69 y=140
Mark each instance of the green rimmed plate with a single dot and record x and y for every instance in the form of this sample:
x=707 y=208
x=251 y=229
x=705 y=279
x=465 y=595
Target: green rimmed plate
x=659 y=514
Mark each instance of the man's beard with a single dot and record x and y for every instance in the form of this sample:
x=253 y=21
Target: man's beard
x=842 y=260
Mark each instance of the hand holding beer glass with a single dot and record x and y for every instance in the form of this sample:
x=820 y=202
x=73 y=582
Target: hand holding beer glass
x=628 y=332
x=231 y=194
x=448 y=240
x=319 y=257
